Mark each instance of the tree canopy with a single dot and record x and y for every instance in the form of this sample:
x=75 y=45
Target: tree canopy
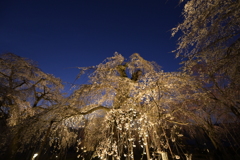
x=129 y=106
x=25 y=89
x=210 y=44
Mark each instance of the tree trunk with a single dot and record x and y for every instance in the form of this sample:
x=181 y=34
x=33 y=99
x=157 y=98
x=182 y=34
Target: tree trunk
x=164 y=155
x=188 y=156
x=147 y=149
x=13 y=147
x=44 y=141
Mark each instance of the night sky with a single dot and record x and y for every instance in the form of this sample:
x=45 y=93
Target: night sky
x=62 y=34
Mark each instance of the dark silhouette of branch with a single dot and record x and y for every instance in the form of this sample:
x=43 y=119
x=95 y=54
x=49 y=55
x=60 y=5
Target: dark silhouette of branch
x=136 y=75
x=122 y=70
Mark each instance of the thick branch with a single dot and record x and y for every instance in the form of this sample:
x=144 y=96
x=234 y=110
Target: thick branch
x=38 y=98
x=94 y=109
x=19 y=85
x=4 y=75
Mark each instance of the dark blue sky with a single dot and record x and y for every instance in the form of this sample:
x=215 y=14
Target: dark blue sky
x=60 y=34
